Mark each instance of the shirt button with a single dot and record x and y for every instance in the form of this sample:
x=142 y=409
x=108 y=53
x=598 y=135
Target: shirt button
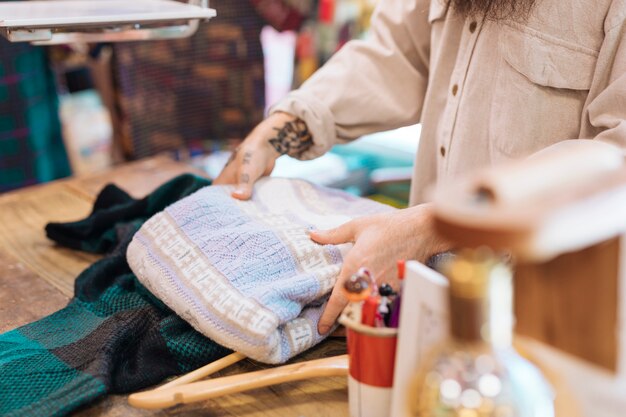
x=442 y=150
x=455 y=89
x=472 y=27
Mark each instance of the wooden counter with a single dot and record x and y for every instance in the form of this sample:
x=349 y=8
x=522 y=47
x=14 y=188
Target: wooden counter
x=37 y=278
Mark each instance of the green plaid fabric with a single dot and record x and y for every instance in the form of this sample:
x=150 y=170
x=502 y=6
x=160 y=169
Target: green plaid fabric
x=114 y=336
x=31 y=146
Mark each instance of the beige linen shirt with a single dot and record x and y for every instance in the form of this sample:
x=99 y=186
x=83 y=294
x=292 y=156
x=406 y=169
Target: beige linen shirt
x=485 y=91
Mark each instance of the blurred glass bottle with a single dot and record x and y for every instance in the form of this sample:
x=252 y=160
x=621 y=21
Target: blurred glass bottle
x=478 y=373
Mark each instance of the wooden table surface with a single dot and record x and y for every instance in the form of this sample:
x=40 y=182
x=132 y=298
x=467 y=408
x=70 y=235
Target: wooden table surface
x=37 y=278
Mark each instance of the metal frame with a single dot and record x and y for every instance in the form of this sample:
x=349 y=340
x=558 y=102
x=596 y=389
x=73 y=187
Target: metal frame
x=106 y=32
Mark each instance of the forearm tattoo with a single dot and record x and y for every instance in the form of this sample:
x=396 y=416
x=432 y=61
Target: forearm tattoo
x=247 y=156
x=292 y=139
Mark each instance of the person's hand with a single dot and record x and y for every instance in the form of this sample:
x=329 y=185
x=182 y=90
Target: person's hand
x=279 y=134
x=379 y=241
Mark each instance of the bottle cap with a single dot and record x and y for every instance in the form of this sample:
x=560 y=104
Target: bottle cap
x=386 y=290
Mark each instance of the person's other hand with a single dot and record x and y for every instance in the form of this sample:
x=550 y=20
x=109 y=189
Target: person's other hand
x=279 y=134
x=379 y=241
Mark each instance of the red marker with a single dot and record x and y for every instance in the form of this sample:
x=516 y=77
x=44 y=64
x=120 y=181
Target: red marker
x=369 y=312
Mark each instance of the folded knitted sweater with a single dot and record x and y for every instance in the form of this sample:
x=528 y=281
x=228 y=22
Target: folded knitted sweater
x=245 y=273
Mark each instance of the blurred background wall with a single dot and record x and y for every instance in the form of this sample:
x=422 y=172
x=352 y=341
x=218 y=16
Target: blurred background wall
x=87 y=107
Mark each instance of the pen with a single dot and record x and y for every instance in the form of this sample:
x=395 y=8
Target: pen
x=386 y=292
x=394 y=316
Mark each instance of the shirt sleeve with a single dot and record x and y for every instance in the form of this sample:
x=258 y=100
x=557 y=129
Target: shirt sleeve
x=371 y=85
x=607 y=102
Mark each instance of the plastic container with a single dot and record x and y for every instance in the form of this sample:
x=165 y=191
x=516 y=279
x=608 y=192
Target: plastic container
x=372 y=353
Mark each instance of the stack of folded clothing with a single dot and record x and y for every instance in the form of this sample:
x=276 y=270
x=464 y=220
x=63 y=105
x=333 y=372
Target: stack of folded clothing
x=114 y=336
x=219 y=274
x=245 y=273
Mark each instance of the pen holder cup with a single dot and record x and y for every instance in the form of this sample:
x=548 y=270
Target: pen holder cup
x=372 y=353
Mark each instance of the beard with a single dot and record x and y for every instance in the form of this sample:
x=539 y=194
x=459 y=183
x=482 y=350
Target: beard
x=493 y=9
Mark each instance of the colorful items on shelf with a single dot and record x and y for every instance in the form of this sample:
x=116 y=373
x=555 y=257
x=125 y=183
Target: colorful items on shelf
x=207 y=88
x=337 y=22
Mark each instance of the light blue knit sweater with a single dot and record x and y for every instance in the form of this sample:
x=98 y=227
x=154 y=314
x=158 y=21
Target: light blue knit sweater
x=245 y=273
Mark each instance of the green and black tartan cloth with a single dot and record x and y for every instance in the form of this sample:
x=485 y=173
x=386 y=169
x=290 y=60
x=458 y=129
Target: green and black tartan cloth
x=31 y=146
x=114 y=336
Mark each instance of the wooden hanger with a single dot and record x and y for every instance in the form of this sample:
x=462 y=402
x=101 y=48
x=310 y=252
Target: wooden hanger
x=185 y=390
x=205 y=371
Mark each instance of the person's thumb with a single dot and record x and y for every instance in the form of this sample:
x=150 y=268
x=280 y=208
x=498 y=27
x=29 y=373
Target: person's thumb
x=249 y=172
x=243 y=189
x=342 y=234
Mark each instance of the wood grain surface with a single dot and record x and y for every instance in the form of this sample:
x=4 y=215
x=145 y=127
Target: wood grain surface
x=571 y=303
x=36 y=279
x=23 y=216
x=24 y=297
x=138 y=179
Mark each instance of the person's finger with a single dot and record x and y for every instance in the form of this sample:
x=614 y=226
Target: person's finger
x=342 y=234
x=334 y=307
x=243 y=190
x=229 y=172
x=337 y=301
x=339 y=332
x=227 y=176
x=249 y=172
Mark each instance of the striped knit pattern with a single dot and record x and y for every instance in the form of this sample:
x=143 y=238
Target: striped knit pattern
x=245 y=273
